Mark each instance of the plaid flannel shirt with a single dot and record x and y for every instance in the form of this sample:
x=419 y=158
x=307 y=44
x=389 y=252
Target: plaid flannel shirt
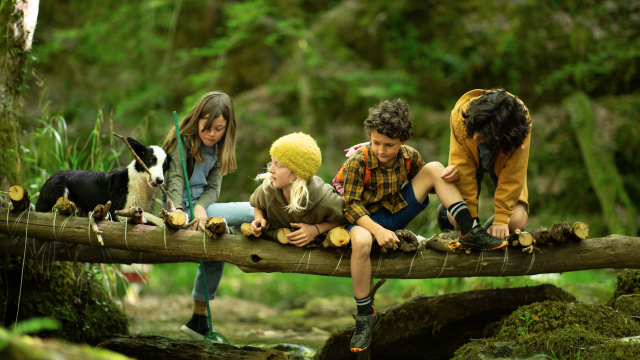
x=383 y=188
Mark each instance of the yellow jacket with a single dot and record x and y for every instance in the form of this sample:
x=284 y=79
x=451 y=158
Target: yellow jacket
x=511 y=169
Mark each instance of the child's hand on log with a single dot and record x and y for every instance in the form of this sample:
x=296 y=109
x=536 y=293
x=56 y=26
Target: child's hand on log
x=450 y=174
x=501 y=231
x=201 y=214
x=257 y=225
x=386 y=238
x=304 y=235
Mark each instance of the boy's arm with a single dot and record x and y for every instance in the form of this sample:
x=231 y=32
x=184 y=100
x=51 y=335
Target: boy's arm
x=467 y=183
x=511 y=181
x=416 y=163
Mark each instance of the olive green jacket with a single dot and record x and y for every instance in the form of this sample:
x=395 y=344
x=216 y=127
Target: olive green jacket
x=324 y=205
x=175 y=178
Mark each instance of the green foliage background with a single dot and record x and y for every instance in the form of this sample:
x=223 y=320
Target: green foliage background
x=317 y=66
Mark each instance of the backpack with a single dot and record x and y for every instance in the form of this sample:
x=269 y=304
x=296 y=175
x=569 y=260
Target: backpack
x=338 y=181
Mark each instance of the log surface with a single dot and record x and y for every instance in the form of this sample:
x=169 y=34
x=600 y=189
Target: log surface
x=433 y=327
x=256 y=255
x=153 y=347
x=46 y=251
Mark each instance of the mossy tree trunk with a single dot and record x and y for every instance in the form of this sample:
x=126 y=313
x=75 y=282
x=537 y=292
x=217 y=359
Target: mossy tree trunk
x=597 y=154
x=18 y=19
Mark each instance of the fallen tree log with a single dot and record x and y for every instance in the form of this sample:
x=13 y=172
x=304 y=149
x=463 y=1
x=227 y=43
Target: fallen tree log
x=255 y=255
x=47 y=251
x=433 y=327
x=153 y=347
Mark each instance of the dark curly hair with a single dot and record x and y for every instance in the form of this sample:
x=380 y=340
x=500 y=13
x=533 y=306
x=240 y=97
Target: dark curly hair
x=390 y=119
x=500 y=118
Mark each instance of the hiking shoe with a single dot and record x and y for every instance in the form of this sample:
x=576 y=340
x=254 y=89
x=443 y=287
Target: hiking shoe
x=478 y=238
x=197 y=327
x=489 y=222
x=363 y=334
x=443 y=220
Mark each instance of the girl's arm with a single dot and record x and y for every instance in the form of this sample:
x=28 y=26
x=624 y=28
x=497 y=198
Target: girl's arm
x=260 y=219
x=175 y=178
x=308 y=232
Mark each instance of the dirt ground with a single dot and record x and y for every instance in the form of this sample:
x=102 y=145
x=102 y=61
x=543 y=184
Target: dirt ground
x=242 y=322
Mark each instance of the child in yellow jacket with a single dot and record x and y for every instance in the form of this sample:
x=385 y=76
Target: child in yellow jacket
x=490 y=133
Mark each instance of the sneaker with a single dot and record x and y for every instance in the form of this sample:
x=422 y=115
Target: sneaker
x=197 y=327
x=478 y=238
x=443 y=220
x=363 y=334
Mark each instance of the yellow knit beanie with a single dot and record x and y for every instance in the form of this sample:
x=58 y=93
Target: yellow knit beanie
x=299 y=152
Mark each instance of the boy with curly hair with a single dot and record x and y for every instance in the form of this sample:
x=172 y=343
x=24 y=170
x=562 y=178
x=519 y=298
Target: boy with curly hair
x=490 y=133
x=377 y=204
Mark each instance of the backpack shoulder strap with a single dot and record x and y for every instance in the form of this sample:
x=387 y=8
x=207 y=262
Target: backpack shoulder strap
x=367 y=171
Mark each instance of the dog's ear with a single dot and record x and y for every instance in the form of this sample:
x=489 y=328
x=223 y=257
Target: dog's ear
x=167 y=163
x=137 y=147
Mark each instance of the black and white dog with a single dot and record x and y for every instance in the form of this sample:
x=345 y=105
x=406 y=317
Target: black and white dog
x=128 y=187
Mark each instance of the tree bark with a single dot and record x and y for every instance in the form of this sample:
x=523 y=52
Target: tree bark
x=153 y=347
x=433 y=327
x=46 y=251
x=256 y=255
x=618 y=209
x=18 y=24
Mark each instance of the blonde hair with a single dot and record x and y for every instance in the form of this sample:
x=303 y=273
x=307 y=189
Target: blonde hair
x=212 y=104
x=298 y=191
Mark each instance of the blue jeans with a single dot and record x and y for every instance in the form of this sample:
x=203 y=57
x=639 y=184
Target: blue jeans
x=402 y=217
x=236 y=214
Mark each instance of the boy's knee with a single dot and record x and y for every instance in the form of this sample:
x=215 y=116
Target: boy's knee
x=433 y=167
x=519 y=218
x=361 y=242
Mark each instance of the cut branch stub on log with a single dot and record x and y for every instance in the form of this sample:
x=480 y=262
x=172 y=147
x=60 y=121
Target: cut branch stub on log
x=64 y=206
x=560 y=231
x=513 y=237
x=525 y=239
x=20 y=199
x=100 y=211
x=437 y=243
x=337 y=237
x=281 y=235
x=542 y=235
x=173 y=218
x=216 y=226
x=245 y=229
x=580 y=231
x=134 y=213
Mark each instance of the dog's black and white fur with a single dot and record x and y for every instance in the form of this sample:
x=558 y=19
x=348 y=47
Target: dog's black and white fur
x=128 y=187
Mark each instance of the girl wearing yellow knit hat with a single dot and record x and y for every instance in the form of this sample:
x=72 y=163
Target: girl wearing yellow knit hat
x=291 y=196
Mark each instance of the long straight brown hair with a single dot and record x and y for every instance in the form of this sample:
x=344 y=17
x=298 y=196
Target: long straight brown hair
x=213 y=104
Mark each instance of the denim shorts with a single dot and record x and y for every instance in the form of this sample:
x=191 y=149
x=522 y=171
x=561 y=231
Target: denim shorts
x=402 y=218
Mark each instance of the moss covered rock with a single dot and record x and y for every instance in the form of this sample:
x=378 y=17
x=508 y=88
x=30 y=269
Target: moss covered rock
x=560 y=329
x=16 y=346
x=628 y=282
x=63 y=292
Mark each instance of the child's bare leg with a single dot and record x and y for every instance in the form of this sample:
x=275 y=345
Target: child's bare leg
x=361 y=241
x=429 y=178
x=519 y=218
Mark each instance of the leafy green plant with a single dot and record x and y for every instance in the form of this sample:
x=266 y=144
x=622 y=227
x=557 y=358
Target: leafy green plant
x=562 y=358
x=527 y=321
